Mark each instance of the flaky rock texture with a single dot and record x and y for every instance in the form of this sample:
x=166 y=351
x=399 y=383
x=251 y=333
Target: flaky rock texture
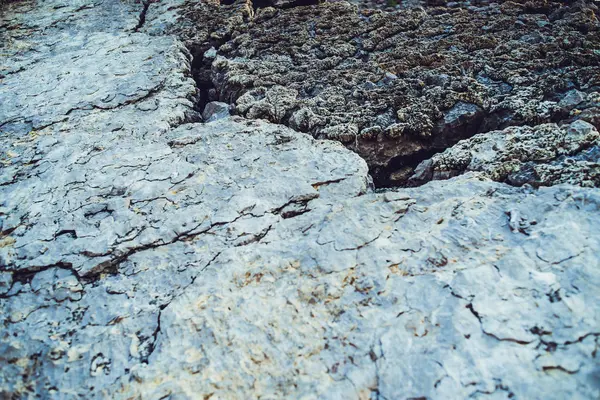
x=146 y=255
x=398 y=87
x=543 y=155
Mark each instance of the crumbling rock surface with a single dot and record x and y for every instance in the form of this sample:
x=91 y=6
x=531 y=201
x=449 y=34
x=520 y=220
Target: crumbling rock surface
x=543 y=155
x=398 y=87
x=146 y=255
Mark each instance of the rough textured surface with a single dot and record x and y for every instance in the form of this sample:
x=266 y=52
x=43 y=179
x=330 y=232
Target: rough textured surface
x=543 y=155
x=144 y=255
x=398 y=87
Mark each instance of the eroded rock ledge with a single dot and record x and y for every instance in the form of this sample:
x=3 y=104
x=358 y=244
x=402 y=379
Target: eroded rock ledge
x=146 y=255
x=398 y=87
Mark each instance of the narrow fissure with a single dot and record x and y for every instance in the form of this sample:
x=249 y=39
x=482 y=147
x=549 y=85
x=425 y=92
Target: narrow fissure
x=203 y=56
x=485 y=123
x=142 y=17
x=201 y=72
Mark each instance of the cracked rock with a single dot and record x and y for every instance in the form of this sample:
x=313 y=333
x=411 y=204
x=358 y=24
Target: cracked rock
x=543 y=155
x=145 y=255
x=397 y=87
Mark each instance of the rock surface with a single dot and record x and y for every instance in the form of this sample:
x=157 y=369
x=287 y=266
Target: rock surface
x=543 y=155
x=145 y=255
x=398 y=87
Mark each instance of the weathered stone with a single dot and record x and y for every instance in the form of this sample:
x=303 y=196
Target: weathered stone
x=144 y=256
x=544 y=155
x=5 y=282
x=572 y=98
x=425 y=77
x=214 y=111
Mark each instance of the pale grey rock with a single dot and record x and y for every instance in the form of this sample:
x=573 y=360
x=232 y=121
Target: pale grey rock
x=215 y=110
x=210 y=53
x=320 y=308
x=5 y=282
x=143 y=256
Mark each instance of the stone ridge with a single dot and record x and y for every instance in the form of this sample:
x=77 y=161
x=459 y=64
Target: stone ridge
x=399 y=87
x=146 y=255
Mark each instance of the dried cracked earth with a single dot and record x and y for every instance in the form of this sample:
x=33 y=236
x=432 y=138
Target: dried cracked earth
x=401 y=205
